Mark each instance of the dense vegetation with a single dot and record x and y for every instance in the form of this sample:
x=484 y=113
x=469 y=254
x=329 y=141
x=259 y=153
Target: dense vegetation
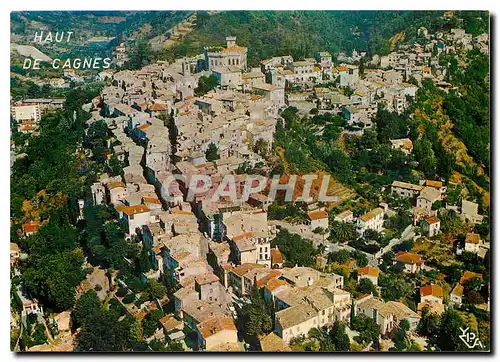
x=302 y=33
x=115 y=25
x=45 y=187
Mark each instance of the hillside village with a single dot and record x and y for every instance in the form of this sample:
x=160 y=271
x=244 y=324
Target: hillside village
x=221 y=275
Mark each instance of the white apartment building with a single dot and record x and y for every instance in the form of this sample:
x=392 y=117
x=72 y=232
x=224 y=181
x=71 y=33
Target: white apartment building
x=373 y=220
x=26 y=113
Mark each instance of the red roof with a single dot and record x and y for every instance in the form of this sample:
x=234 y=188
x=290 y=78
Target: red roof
x=317 y=215
x=469 y=275
x=434 y=290
x=276 y=257
x=408 y=258
x=369 y=270
x=158 y=107
x=31 y=227
x=137 y=209
x=431 y=220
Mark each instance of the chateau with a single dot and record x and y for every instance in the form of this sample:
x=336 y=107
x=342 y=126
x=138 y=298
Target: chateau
x=232 y=55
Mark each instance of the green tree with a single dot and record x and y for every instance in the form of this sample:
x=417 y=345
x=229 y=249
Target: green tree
x=212 y=153
x=115 y=166
x=366 y=286
x=324 y=339
x=341 y=232
x=368 y=329
x=102 y=332
x=256 y=315
x=449 y=331
x=295 y=249
x=340 y=338
x=139 y=56
x=340 y=256
x=429 y=325
x=87 y=304
x=401 y=340
x=206 y=84
x=155 y=290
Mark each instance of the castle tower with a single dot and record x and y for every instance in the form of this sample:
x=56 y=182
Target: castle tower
x=186 y=68
x=230 y=41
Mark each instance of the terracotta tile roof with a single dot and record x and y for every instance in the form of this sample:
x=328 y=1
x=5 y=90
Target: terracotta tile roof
x=242 y=236
x=369 y=270
x=371 y=214
x=31 y=227
x=363 y=296
x=151 y=200
x=274 y=284
x=273 y=343
x=458 y=290
x=242 y=269
x=215 y=325
x=115 y=184
x=433 y=183
x=136 y=209
x=434 y=308
x=254 y=97
x=141 y=314
x=182 y=212
x=234 y=49
x=169 y=322
x=207 y=278
x=408 y=258
x=276 y=257
x=431 y=220
x=270 y=276
x=157 y=107
x=473 y=238
x=434 y=290
x=317 y=215
x=468 y=275
x=27 y=126
x=143 y=127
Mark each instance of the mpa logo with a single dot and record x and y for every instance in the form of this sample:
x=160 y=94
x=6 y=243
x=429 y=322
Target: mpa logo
x=469 y=338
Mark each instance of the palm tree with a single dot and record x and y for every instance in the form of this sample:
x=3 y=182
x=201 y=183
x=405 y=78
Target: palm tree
x=341 y=232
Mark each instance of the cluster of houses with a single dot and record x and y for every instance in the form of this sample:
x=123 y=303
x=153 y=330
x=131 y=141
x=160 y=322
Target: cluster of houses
x=428 y=196
x=215 y=252
x=236 y=236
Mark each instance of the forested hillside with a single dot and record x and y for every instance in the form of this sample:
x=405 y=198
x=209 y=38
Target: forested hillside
x=301 y=33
